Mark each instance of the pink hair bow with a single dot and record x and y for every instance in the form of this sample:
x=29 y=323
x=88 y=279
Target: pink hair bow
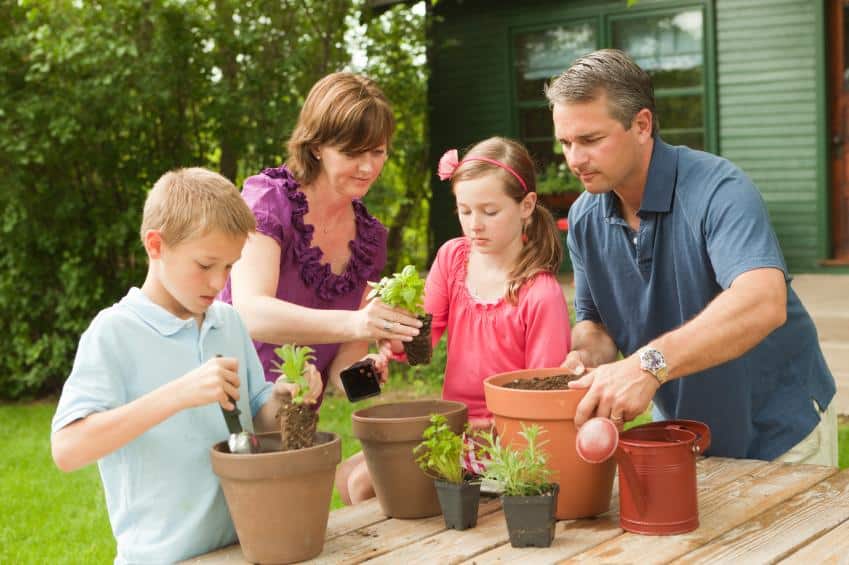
x=448 y=163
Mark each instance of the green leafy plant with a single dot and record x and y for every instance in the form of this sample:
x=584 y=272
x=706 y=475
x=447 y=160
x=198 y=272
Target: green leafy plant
x=404 y=290
x=519 y=472
x=439 y=453
x=556 y=178
x=293 y=367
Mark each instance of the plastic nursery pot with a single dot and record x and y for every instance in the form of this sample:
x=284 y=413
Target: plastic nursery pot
x=459 y=503
x=590 y=484
x=279 y=500
x=530 y=519
x=389 y=433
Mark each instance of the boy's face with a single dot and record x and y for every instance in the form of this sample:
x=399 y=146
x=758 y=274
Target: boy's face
x=190 y=274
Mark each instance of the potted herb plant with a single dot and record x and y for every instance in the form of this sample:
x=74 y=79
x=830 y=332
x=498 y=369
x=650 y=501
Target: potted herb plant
x=439 y=456
x=293 y=469
x=297 y=419
x=406 y=290
x=558 y=188
x=528 y=496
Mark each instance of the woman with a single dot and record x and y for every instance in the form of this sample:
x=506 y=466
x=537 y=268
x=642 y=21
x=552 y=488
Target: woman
x=302 y=277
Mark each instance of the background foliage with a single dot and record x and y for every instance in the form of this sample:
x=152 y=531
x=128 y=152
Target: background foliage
x=98 y=99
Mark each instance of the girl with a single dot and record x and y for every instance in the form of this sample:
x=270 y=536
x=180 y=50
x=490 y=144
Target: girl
x=493 y=291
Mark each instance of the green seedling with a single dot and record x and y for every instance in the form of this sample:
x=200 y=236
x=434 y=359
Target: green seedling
x=295 y=359
x=438 y=455
x=404 y=290
x=521 y=472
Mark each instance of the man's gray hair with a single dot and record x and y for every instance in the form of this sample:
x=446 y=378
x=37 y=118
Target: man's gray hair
x=628 y=87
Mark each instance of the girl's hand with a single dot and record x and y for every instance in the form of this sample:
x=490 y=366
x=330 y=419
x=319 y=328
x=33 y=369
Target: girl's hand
x=390 y=347
x=482 y=424
x=376 y=321
x=217 y=380
x=381 y=363
x=282 y=387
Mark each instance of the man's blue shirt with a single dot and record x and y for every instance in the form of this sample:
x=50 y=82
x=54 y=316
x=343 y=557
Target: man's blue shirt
x=702 y=224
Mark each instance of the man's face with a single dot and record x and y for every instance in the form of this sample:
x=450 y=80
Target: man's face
x=597 y=148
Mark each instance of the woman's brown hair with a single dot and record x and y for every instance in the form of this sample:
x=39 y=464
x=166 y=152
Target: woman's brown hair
x=344 y=110
x=543 y=251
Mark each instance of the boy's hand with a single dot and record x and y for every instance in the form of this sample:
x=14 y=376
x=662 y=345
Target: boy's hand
x=283 y=387
x=217 y=380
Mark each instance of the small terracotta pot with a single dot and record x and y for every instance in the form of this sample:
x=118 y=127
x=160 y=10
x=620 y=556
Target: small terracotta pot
x=585 y=488
x=389 y=433
x=279 y=500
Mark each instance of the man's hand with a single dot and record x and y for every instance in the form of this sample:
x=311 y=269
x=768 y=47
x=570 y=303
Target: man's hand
x=283 y=387
x=576 y=362
x=620 y=391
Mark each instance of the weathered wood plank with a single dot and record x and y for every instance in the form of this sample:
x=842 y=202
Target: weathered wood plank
x=782 y=529
x=830 y=549
x=574 y=536
x=720 y=510
x=375 y=540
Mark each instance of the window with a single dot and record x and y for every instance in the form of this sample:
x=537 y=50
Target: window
x=668 y=44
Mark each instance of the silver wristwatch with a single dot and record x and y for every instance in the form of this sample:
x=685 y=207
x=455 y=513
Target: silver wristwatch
x=652 y=361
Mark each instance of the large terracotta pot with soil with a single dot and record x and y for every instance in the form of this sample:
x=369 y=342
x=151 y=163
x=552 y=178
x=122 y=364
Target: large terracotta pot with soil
x=279 y=500
x=585 y=488
x=389 y=433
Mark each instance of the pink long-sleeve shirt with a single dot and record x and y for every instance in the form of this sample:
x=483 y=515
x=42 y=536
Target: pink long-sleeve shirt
x=489 y=338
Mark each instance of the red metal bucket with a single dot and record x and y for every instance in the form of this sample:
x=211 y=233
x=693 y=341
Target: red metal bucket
x=657 y=476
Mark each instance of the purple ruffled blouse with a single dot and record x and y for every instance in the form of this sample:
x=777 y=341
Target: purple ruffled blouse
x=279 y=207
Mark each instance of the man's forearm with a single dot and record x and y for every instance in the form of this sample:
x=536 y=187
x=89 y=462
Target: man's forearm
x=592 y=339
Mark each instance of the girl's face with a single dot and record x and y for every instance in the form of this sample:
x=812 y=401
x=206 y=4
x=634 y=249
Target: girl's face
x=489 y=217
x=351 y=174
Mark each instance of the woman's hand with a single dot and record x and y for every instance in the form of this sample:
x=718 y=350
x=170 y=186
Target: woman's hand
x=376 y=321
x=283 y=387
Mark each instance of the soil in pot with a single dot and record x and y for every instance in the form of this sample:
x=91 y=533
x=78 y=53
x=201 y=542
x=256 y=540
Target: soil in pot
x=555 y=382
x=420 y=349
x=530 y=519
x=297 y=424
x=459 y=503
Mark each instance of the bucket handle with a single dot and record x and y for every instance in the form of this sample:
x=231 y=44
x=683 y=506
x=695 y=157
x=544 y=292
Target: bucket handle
x=700 y=430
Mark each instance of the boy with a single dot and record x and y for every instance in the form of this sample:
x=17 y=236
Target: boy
x=126 y=405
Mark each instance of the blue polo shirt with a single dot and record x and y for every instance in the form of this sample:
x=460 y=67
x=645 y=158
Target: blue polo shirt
x=165 y=504
x=702 y=224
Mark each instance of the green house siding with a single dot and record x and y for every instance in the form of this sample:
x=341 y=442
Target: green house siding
x=767 y=74
x=766 y=111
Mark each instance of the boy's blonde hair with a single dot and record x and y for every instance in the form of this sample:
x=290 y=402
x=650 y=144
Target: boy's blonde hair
x=189 y=203
x=342 y=110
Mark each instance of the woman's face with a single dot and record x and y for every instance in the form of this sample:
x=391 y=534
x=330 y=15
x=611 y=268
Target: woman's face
x=351 y=174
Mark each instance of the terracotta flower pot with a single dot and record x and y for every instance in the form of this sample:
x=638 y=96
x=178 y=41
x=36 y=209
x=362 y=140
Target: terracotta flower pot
x=279 y=500
x=585 y=488
x=389 y=433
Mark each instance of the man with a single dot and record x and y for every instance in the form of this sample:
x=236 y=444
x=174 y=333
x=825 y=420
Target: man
x=677 y=267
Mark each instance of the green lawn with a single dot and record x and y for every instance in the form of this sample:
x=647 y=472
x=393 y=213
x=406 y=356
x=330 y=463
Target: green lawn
x=53 y=517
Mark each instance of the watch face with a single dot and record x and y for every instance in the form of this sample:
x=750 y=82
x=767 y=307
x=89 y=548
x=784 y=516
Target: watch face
x=652 y=359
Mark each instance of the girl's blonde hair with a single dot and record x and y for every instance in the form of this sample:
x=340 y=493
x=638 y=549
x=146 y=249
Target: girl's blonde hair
x=344 y=110
x=543 y=251
x=189 y=203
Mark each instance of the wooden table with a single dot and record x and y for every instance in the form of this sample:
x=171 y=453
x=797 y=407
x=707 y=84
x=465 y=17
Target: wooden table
x=750 y=512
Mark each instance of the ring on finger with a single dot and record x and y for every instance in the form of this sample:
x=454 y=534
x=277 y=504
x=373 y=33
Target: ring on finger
x=386 y=325
x=617 y=419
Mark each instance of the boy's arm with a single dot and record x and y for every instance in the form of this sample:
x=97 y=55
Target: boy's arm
x=88 y=439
